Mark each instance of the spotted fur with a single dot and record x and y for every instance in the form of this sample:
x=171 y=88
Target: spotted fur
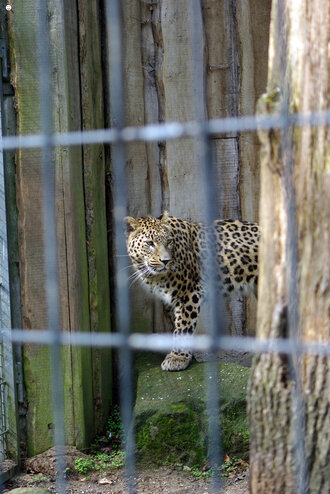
x=169 y=254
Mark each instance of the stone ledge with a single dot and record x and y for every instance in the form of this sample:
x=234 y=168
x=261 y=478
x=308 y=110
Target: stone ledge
x=171 y=417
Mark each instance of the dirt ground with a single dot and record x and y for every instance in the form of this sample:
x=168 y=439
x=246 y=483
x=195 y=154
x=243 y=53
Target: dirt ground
x=161 y=481
x=164 y=480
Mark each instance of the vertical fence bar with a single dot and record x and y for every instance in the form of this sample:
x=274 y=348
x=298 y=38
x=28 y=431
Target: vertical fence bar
x=209 y=267
x=216 y=326
x=50 y=241
x=123 y=318
x=291 y=250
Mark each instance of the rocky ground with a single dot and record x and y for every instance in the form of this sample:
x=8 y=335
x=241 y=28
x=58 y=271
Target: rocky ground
x=171 y=425
x=154 y=481
x=176 y=479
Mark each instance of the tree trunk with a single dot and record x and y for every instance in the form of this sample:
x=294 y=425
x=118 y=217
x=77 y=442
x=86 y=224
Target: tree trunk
x=298 y=65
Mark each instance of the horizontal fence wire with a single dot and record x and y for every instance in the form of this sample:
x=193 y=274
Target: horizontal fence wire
x=170 y=130
x=164 y=341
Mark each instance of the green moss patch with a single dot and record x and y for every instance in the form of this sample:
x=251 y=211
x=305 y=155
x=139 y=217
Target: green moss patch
x=171 y=411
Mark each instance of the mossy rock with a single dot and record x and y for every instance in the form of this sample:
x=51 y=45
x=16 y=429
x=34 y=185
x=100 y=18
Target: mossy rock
x=171 y=412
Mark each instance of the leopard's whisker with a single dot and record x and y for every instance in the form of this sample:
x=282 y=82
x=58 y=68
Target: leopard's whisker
x=137 y=275
x=134 y=275
x=141 y=271
x=126 y=267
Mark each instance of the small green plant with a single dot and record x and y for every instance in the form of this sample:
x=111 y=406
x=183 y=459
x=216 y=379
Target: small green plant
x=42 y=479
x=118 y=459
x=100 y=462
x=115 y=427
x=67 y=471
x=84 y=465
x=196 y=472
x=233 y=466
x=38 y=478
x=230 y=467
x=112 y=438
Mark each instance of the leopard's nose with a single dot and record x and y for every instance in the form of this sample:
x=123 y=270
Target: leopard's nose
x=165 y=261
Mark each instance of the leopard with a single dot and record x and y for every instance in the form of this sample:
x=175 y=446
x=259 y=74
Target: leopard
x=169 y=256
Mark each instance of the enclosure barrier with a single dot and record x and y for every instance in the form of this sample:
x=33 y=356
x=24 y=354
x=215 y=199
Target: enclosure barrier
x=124 y=340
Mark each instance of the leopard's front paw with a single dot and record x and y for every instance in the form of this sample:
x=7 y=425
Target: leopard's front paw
x=176 y=361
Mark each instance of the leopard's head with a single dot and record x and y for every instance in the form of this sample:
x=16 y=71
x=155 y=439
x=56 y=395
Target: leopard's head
x=150 y=244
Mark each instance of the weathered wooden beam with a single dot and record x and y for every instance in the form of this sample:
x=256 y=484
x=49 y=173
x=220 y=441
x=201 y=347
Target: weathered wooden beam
x=71 y=234
x=92 y=111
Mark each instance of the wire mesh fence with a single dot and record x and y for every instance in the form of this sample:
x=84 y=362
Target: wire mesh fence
x=124 y=340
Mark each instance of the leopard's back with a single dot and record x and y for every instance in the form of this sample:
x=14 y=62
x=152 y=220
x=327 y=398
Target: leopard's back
x=237 y=245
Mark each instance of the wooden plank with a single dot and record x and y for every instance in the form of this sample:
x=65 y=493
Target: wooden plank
x=184 y=101
x=138 y=172
x=222 y=96
x=94 y=192
x=23 y=44
x=71 y=223
x=253 y=32
x=71 y=218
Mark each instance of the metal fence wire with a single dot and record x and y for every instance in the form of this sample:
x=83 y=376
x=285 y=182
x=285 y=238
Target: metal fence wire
x=124 y=340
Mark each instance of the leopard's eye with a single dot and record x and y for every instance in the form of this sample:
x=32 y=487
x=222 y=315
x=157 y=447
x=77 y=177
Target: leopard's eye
x=150 y=243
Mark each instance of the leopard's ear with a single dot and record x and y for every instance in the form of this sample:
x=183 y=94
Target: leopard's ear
x=164 y=217
x=131 y=224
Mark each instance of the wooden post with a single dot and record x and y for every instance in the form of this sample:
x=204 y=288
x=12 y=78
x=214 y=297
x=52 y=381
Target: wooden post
x=84 y=292
x=92 y=108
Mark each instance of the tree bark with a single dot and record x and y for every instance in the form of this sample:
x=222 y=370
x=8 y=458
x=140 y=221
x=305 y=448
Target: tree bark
x=298 y=67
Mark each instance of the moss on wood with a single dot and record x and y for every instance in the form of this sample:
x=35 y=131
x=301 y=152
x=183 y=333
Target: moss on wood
x=83 y=410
